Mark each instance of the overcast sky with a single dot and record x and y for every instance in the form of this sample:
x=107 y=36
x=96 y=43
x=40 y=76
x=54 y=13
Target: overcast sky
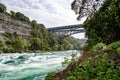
x=51 y=13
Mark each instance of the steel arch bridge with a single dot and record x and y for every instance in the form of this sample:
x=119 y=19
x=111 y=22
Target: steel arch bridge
x=65 y=31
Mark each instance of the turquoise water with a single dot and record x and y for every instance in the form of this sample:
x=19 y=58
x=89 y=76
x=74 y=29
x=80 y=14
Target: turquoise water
x=32 y=66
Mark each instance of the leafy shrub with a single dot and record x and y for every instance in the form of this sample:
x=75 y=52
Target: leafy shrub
x=71 y=78
x=50 y=76
x=114 y=46
x=99 y=46
x=15 y=44
x=35 y=33
x=95 y=69
x=13 y=14
x=1 y=44
x=22 y=17
x=35 y=44
x=118 y=51
x=86 y=48
x=8 y=50
x=34 y=24
x=98 y=68
x=2 y=8
x=93 y=39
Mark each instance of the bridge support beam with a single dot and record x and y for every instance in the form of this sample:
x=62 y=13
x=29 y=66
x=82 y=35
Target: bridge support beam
x=65 y=31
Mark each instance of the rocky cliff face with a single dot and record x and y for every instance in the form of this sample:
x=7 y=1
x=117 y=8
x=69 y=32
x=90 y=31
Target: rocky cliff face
x=10 y=26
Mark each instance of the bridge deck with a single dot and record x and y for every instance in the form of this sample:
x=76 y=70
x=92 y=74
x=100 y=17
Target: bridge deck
x=67 y=27
x=68 y=30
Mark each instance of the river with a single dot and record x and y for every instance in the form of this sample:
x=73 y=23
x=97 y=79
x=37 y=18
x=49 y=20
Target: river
x=32 y=66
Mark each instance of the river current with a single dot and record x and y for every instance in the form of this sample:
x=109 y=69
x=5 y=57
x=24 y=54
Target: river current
x=32 y=66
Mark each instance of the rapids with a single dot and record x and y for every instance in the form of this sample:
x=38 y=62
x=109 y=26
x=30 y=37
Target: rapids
x=32 y=66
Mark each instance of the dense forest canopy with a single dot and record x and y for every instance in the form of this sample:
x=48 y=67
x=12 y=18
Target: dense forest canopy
x=103 y=19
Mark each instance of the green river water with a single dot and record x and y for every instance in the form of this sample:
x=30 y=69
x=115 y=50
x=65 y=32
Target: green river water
x=32 y=66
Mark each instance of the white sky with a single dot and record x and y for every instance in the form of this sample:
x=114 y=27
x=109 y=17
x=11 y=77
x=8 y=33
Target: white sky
x=51 y=13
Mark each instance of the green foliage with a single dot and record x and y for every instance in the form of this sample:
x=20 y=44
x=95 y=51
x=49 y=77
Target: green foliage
x=61 y=47
x=35 y=44
x=95 y=69
x=26 y=45
x=93 y=39
x=15 y=44
x=19 y=44
x=35 y=33
x=21 y=16
x=71 y=78
x=13 y=14
x=7 y=50
x=99 y=46
x=2 y=8
x=50 y=76
x=49 y=40
x=102 y=23
x=118 y=51
x=67 y=45
x=73 y=43
x=45 y=46
x=55 y=46
x=1 y=45
x=34 y=24
x=114 y=45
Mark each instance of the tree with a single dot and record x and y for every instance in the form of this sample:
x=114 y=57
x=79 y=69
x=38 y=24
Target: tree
x=61 y=48
x=19 y=44
x=103 y=25
x=55 y=46
x=34 y=24
x=86 y=7
x=15 y=44
x=13 y=14
x=35 y=44
x=22 y=17
x=35 y=33
x=2 y=8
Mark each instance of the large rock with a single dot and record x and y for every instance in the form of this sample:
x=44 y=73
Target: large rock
x=8 y=25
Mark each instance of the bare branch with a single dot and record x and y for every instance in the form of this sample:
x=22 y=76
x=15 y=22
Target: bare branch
x=86 y=7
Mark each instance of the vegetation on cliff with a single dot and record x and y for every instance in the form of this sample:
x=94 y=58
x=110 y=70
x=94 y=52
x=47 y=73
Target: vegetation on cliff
x=28 y=36
x=100 y=59
x=2 y=8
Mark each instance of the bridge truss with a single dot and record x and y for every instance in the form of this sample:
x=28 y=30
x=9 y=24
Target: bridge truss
x=65 y=31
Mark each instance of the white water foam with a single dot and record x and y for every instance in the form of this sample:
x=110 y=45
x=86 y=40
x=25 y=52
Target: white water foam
x=31 y=66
